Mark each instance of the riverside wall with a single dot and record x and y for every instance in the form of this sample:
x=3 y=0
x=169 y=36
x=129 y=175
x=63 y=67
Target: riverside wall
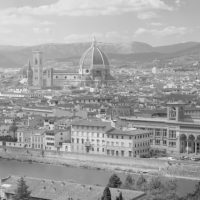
x=83 y=160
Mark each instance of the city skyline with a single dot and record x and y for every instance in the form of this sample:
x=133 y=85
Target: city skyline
x=156 y=22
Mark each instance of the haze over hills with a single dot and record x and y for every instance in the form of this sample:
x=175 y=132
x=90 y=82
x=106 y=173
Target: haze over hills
x=12 y=56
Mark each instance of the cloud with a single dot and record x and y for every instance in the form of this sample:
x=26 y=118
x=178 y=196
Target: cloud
x=40 y=30
x=167 y=31
x=91 y=7
x=14 y=19
x=156 y=24
x=112 y=36
x=146 y=15
x=5 y=31
x=73 y=38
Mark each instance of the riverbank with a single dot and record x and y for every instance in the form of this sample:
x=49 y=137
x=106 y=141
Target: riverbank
x=149 y=167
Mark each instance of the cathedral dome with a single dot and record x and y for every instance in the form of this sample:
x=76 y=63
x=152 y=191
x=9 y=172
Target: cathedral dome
x=93 y=58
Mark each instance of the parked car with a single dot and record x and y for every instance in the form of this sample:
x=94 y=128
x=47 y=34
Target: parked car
x=171 y=158
x=195 y=159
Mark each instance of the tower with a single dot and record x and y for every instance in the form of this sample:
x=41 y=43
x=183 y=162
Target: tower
x=175 y=111
x=29 y=74
x=37 y=69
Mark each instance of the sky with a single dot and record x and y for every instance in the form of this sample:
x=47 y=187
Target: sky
x=156 y=22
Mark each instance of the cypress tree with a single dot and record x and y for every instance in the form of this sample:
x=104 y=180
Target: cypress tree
x=106 y=194
x=22 y=192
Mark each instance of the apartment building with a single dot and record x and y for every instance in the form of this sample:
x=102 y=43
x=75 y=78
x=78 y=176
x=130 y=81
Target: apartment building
x=99 y=137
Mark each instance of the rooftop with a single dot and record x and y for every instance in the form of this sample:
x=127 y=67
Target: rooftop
x=62 y=190
x=126 y=132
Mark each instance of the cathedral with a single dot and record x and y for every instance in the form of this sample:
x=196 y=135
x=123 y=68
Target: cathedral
x=94 y=71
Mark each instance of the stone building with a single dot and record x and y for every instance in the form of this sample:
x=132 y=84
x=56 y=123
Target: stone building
x=94 y=71
x=177 y=133
x=98 y=137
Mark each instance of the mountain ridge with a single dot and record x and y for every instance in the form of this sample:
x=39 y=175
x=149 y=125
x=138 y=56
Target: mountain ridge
x=18 y=56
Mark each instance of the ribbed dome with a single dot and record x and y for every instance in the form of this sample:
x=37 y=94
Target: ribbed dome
x=93 y=57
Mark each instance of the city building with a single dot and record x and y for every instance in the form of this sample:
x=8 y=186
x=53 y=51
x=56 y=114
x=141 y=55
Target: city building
x=177 y=133
x=94 y=71
x=99 y=137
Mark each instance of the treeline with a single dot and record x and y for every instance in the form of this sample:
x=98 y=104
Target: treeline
x=156 y=187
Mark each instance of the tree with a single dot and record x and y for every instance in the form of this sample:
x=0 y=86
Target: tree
x=106 y=194
x=160 y=188
x=141 y=183
x=13 y=128
x=22 y=192
x=119 y=197
x=114 y=181
x=129 y=182
x=155 y=184
x=196 y=194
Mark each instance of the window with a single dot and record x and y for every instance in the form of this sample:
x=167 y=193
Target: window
x=157 y=142
x=122 y=137
x=165 y=142
x=130 y=153
x=157 y=132
x=164 y=133
x=172 y=134
x=122 y=153
x=172 y=144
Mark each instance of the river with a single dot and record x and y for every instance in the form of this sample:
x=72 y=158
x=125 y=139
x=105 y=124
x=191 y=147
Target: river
x=80 y=175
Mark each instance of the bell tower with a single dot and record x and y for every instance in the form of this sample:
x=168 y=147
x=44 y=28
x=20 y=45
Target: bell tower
x=175 y=111
x=37 y=69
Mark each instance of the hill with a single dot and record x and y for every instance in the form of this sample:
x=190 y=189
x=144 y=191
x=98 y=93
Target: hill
x=12 y=56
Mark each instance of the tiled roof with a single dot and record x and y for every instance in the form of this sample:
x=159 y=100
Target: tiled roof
x=127 y=132
x=51 y=190
x=97 y=123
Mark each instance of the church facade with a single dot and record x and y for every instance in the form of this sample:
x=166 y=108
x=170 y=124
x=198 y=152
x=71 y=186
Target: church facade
x=94 y=71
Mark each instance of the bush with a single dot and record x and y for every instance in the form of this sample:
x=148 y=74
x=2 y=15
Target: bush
x=114 y=181
x=141 y=183
x=129 y=182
